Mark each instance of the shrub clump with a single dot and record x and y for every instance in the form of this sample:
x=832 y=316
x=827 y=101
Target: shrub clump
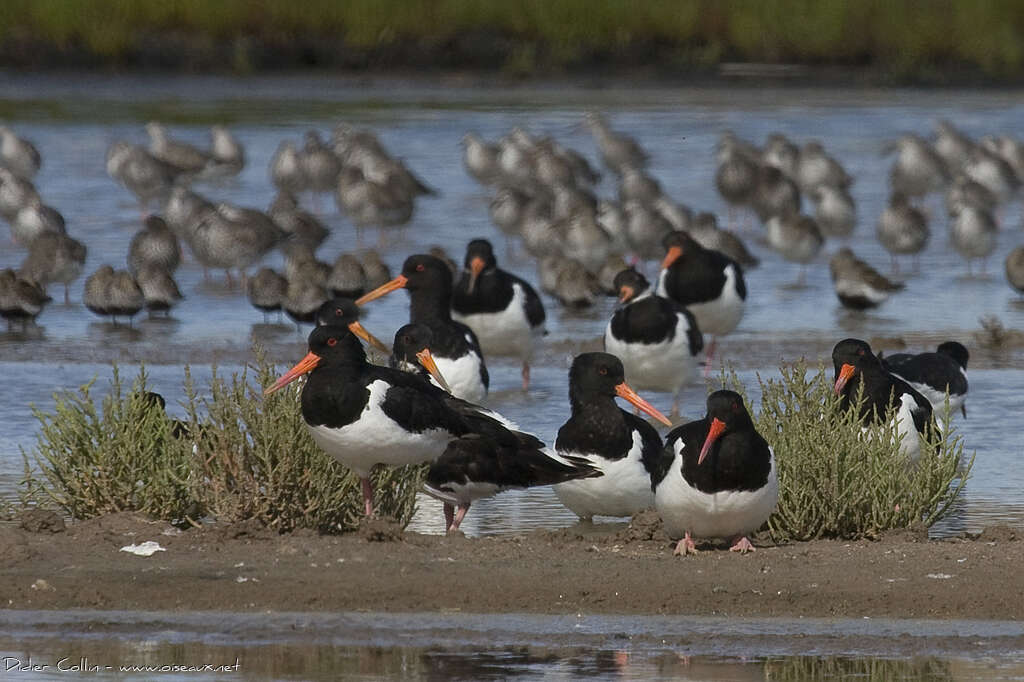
x=243 y=457
x=837 y=480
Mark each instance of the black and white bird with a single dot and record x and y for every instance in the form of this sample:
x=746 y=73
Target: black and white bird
x=933 y=375
x=479 y=465
x=455 y=346
x=708 y=283
x=885 y=396
x=343 y=312
x=717 y=478
x=502 y=309
x=656 y=339
x=622 y=446
x=362 y=414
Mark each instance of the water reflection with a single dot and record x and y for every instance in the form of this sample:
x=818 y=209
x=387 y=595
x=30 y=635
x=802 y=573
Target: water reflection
x=40 y=660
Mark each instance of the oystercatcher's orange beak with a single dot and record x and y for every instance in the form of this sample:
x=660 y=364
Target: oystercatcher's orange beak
x=386 y=288
x=674 y=252
x=845 y=372
x=427 y=360
x=717 y=427
x=360 y=331
x=626 y=293
x=476 y=266
x=624 y=391
x=306 y=364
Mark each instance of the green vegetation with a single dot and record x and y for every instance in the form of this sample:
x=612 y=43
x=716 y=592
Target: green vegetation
x=249 y=457
x=836 y=481
x=901 y=38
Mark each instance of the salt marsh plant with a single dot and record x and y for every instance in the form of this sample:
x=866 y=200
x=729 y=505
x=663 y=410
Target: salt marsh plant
x=237 y=456
x=837 y=480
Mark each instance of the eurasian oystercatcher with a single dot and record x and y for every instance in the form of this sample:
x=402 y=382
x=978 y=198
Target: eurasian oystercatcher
x=362 y=414
x=622 y=446
x=718 y=477
x=708 y=283
x=455 y=346
x=934 y=374
x=885 y=396
x=656 y=339
x=476 y=466
x=342 y=312
x=503 y=310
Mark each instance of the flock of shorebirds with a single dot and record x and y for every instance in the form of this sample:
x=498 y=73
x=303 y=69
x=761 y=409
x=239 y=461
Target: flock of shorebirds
x=543 y=194
x=711 y=478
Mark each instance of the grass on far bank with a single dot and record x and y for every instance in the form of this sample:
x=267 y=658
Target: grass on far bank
x=245 y=457
x=525 y=36
x=837 y=481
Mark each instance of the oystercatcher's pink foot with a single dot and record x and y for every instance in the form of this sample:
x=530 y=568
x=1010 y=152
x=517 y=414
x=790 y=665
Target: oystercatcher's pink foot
x=742 y=546
x=685 y=546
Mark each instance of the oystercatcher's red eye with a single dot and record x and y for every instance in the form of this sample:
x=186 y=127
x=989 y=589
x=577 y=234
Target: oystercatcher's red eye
x=337 y=311
x=332 y=341
x=860 y=352
x=420 y=267
x=603 y=370
x=735 y=407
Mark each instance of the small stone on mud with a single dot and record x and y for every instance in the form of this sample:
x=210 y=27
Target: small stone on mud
x=380 y=530
x=41 y=521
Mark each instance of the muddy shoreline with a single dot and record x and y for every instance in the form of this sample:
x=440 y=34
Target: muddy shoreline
x=598 y=569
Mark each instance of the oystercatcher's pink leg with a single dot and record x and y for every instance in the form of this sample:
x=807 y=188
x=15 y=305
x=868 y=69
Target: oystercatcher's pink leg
x=449 y=514
x=685 y=546
x=367 y=495
x=742 y=546
x=459 y=515
x=526 y=376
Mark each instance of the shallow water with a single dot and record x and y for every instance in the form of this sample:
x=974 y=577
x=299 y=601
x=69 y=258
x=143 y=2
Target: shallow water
x=453 y=646
x=74 y=119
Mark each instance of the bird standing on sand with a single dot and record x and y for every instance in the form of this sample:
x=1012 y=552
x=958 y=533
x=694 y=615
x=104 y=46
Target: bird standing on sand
x=622 y=446
x=717 y=478
x=656 y=338
x=503 y=310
